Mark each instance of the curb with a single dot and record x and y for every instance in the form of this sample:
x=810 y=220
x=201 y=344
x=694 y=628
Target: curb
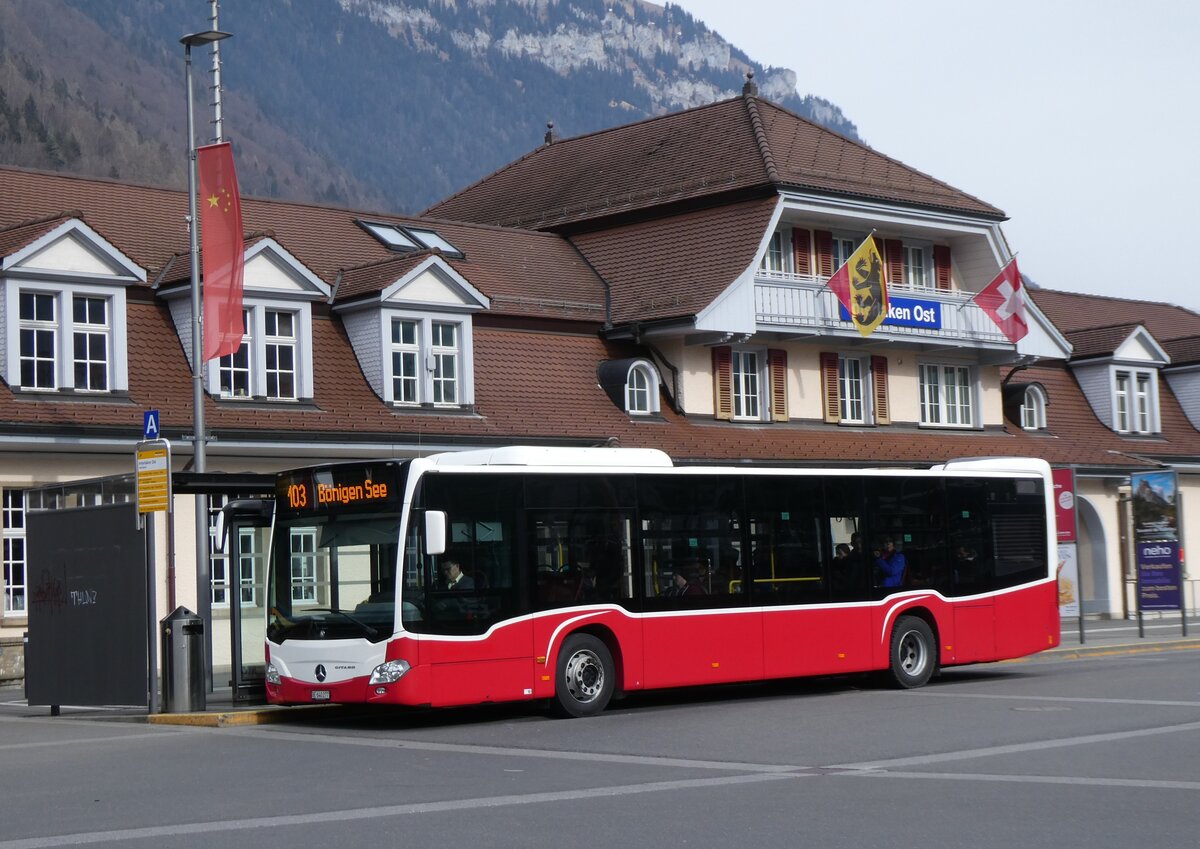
x=230 y=718
x=1115 y=650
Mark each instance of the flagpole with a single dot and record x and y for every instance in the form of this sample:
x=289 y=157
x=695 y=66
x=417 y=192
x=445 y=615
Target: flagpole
x=199 y=460
x=971 y=299
x=825 y=285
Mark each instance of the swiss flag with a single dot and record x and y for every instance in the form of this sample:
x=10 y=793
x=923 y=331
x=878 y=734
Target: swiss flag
x=1004 y=300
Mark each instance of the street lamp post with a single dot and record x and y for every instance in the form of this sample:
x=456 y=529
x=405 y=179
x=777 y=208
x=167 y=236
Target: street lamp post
x=199 y=460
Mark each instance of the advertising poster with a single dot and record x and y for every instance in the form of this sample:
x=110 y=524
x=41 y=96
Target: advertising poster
x=1154 y=516
x=1068 y=580
x=1064 y=504
x=1156 y=540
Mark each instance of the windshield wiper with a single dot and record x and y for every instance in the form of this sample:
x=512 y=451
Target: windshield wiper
x=370 y=632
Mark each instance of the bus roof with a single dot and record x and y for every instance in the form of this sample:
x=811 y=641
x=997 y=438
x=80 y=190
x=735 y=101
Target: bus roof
x=523 y=455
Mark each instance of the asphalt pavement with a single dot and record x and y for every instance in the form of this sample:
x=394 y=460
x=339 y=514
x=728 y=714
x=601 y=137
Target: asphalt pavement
x=1092 y=638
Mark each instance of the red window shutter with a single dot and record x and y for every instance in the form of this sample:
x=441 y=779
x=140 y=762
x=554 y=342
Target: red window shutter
x=894 y=253
x=824 y=242
x=941 y=266
x=777 y=362
x=723 y=382
x=830 y=390
x=802 y=251
x=879 y=386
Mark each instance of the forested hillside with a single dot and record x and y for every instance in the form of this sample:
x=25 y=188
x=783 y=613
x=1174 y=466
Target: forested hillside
x=383 y=104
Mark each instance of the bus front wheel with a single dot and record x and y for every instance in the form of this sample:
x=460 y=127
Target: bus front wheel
x=914 y=652
x=585 y=677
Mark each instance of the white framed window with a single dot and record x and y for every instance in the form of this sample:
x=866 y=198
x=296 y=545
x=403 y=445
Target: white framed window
x=12 y=513
x=852 y=390
x=67 y=338
x=304 y=564
x=444 y=353
x=39 y=340
x=641 y=390
x=843 y=247
x=1135 y=401
x=274 y=361
x=775 y=259
x=917 y=267
x=1033 y=409
x=234 y=368
x=91 y=338
x=747 y=384
x=946 y=395
x=406 y=354
x=427 y=360
x=279 y=353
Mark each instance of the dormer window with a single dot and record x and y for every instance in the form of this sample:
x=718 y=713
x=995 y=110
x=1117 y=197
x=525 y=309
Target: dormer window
x=1033 y=409
x=64 y=302
x=775 y=259
x=641 y=390
x=1135 y=401
x=426 y=357
x=631 y=384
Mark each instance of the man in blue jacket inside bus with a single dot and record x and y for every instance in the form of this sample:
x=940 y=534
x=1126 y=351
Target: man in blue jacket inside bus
x=891 y=564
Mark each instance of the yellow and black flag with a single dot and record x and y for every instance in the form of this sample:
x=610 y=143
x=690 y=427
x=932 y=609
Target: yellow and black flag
x=859 y=284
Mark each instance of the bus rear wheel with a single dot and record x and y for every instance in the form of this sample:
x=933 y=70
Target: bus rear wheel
x=913 y=652
x=585 y=677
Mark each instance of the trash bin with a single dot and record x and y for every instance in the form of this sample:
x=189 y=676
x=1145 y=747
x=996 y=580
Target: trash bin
x=183 y=662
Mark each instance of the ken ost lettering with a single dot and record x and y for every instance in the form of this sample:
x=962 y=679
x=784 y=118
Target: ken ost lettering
x=909 y=312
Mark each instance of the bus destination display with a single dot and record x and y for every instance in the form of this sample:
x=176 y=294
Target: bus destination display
x=337 y=489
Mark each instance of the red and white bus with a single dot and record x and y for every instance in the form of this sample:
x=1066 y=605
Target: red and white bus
x=575 y=574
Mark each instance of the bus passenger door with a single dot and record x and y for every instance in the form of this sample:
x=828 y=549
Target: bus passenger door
x=474 y=636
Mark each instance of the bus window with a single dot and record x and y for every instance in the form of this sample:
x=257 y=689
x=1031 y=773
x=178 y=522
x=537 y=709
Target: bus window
x=789 y=552
x=966 y=522
x=691 y=538
x=581 y=557
x=473 y=584
x=849 y=569
x=907 y=536
x=1018 y=530
x=580 y=539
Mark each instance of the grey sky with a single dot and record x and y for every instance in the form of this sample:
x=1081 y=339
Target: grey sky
x=1078 y=119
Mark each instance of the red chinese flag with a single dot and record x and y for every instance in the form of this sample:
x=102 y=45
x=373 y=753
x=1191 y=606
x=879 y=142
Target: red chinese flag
x=221 y=250
x=1004 y=300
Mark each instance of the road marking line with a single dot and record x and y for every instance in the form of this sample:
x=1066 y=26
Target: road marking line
x=990 y=751
x=326 y=817
x=1081 y=699
x=501 y=751
x=1147 y=783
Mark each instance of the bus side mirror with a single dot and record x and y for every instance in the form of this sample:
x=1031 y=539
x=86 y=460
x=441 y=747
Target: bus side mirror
x=435 y=532
x=244 y=512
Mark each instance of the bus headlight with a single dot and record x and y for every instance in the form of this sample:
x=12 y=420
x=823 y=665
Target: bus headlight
x=390 y=672
x=272 y=674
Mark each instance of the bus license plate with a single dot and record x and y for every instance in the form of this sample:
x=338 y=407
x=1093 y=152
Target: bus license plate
x=320 y=695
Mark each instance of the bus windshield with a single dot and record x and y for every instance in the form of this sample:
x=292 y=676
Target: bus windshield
x=333 y=577
x=334 y=554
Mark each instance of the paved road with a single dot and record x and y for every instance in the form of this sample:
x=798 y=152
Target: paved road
x=1060 y=751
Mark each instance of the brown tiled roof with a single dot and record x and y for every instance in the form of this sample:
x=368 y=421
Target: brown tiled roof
x=16 y=236
x=676 y=266
x=1072 y=311
x=738 y=145
x=1098 y=341
x=1184 y=350
x=523 y=272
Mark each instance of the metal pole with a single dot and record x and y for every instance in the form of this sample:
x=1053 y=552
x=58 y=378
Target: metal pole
x=203 y=580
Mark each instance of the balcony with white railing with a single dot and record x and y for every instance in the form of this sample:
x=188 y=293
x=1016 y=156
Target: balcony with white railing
x=784 y=301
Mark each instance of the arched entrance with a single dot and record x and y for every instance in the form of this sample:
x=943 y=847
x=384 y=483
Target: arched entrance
x=1093 y=558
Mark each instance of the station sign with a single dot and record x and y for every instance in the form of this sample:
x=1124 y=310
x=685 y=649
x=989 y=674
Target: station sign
x=153 y=467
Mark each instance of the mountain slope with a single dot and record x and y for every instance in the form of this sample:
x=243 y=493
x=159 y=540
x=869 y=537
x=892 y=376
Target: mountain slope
x=373 y=103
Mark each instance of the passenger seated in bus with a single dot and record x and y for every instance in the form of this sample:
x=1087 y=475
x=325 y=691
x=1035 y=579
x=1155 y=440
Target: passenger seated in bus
x=453 y=577
x=891 y=564
x=683 y=583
